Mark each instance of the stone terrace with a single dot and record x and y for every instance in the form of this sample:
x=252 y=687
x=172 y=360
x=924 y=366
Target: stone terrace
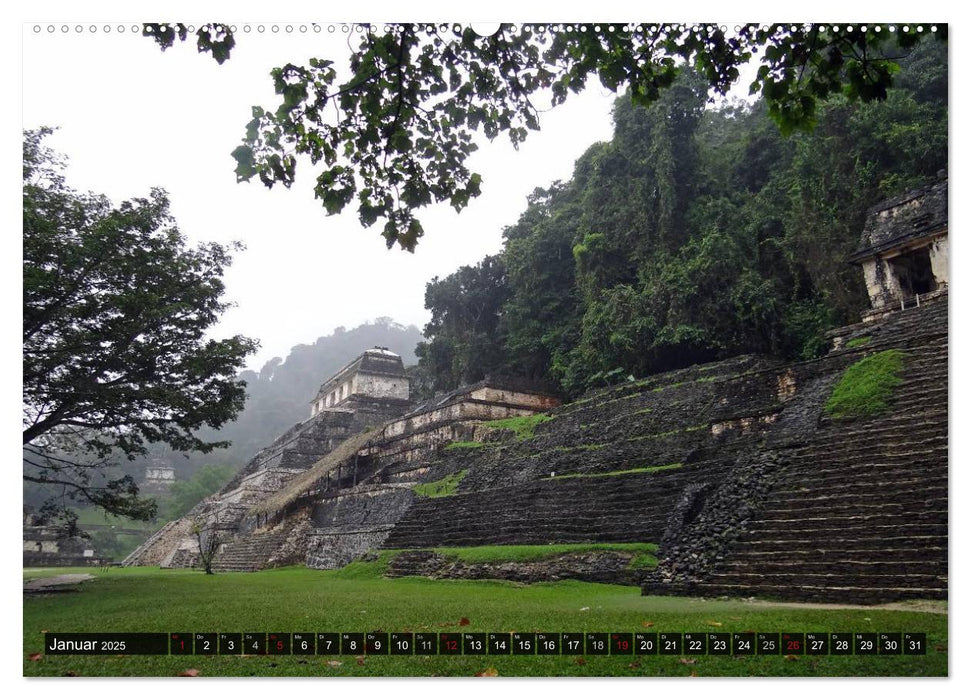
x=859 y=512
x=563 y=484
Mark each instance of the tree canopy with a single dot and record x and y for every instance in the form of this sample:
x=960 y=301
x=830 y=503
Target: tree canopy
x=115 y=354
x=394 y=132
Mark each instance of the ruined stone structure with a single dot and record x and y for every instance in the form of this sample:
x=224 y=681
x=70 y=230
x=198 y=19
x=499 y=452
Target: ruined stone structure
x=377 y=374
x=48 y=546
x=904 y=250
x=280 y=507
x=732 y=468
x=158 y=479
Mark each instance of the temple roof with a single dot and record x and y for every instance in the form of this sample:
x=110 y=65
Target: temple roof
x=895 y=222
x=377 y=360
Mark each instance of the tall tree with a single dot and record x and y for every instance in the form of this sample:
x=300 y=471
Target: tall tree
x=464 y=343
x=116 y=309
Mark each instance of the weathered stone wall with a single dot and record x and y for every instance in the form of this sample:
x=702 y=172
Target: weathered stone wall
x=939 y=261
x=380 y=386
x=332 y=549
x=347 y=525
x=850 y=511
x=599 y=566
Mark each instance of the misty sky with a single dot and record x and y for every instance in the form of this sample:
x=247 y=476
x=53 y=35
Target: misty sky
x=131 y=117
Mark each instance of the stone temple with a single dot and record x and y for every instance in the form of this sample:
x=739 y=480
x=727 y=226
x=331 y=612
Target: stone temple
x=904 y=251
x=734 y=469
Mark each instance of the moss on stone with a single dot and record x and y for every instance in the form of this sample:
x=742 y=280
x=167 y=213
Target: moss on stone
x=859 y=342
x=441 y=488
x=522 y=426
x=494 y=554
x=635 y=470
x=866 y=386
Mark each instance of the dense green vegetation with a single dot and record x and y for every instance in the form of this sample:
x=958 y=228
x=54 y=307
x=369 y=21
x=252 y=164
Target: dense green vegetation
x=696 y=233
x=357 y=598
x=441 y=488
x=867 y=386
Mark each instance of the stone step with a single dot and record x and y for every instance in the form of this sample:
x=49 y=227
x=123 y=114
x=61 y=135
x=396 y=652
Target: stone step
x=904 y=543
x=831 y=532
x=802 y=592
x=899 y=431
x=901 y=520
x=847 y=551
x=808 y=471
x=914 y=489
x=901 y=580
x=854 y=481
x=863 y=509
x=832 y=566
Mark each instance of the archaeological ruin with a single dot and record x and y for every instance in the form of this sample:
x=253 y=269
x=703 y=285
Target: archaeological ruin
x=736 y=470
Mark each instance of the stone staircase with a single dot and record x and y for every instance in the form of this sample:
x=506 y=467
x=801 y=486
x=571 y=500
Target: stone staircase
x=249 y=553
x=508 y=496
x=861 y=513
x=620 y=508
x=133 y=559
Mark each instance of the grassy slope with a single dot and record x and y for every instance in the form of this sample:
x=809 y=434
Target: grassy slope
x=358 y=599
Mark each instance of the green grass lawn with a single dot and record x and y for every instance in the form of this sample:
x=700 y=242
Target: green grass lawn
x=358 y=599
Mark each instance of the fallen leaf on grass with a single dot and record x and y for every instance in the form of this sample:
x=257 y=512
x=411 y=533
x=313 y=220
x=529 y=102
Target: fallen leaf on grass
x=634 y=665
x=940 y=647
x=687 y=662
x=487 y=673
x=585 y=609
x=791 y=657
x=335 y=663
x=713 y=623
x=72 y=674
x=647 y=623
x=192 y=672
x=35 y=657
x=580 y=661
x=464 y=621
x=360 y=660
